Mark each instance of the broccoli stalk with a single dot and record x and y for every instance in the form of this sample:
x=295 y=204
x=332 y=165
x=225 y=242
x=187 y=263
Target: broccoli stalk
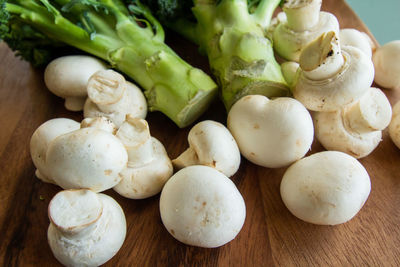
x=130 y=40
x=232 y=34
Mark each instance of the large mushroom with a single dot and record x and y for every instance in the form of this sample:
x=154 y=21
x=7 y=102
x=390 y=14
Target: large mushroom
x=325 y=188
x=91 y=157
x=210 y=144
x=356 y=129
x=202 y=207
x=330 y=76
x=149 y=166
x=111 y=96
x=303 y=23
x=271 y=133
x=86 y=229
x=68 y=76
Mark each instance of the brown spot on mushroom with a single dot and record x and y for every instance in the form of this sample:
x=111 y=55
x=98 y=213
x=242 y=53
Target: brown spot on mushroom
x=252 y=154
x=204 y=203
x=214 y=163
x=298 y=142
x=172 y=232
x=108 y=172
x=256 y=126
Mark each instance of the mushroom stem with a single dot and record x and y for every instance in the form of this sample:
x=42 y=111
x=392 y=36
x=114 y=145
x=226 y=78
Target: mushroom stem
x=107 y=89
x=371 y=113
x=302 y=14
x=187 y=158
x=73 y=103
x=135 y=135
x=99 y=123
x=65 y=206
x=322 y=58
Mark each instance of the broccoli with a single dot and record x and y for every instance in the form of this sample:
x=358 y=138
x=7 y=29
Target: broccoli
x=232 y=34
x=125 y=34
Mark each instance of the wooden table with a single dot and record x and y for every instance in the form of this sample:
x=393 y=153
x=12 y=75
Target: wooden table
x=271 y=234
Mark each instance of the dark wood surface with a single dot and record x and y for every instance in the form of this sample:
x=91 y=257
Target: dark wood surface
x=271 y=236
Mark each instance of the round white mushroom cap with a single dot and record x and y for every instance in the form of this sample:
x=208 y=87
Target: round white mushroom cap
x=86 y=158
x=394 y=126
x=355 y=38
x=271 y=133
x=387 y=65
x=68 y=76
x=211 y=144
x=326 y=188
x=41 y=139
x=202 y=207
x=86 y=229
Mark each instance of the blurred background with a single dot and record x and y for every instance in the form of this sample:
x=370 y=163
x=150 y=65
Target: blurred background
x=382 y=17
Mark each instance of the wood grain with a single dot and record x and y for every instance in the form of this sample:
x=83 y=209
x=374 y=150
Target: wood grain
x=271 y=236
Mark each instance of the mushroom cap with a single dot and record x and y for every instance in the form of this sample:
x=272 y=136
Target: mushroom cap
x=87 y=158
x=101 y=222
x=288 y=43
x=144 y=181
x=348 y=85
x=67 y=76
x=387 y=65
x=355 y=38
x=394 y=126
x=332 y=133
x=271 y=133
x=325 y=188
x=41 y=139
x=213 y=146
x=202 y=207
x=134 y=103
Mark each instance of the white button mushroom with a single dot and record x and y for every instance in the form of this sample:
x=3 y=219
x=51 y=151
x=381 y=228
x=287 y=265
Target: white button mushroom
x=331 y=77
x=111 y=96
x=90 y=157
x=86 y=229
x=325 y=188
x=356 y=129
x=271 y=133
x=387 y=65
x=202 y=207
x=355 y=38
x=211 y=144
x=149 y=166
x=304 y=23
x=41 y=139
x=67 y=77
x=394 y=126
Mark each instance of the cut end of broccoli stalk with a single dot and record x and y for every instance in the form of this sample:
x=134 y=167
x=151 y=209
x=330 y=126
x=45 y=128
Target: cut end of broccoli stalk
x=133 y=44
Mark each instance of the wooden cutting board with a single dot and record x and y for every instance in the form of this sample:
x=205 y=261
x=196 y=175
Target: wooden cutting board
x=270 y=236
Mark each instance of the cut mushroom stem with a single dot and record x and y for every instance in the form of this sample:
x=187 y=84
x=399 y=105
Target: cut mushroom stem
x=101 y=123
x=322 y=58
x=135 y=135
x=371 y=113
x=106 y=88
x=302 y=14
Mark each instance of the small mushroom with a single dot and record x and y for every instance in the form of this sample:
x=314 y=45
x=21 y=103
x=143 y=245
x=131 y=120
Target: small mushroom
x=86 y=229
x=387 y=65
x=271 y=133
x=356 y=129
x=355 y=38
x=326 y=188
x=394 y=126
x=331 y=77
x=91 y=157
x=304 y=22
x=202 y=207
x=67 y=77
x=210 y=144
x=41 y=139
x=149 y=166
x=111 y=96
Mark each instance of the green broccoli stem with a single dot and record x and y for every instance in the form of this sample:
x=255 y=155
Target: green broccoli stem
x=240 y=55
x=171 y=85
